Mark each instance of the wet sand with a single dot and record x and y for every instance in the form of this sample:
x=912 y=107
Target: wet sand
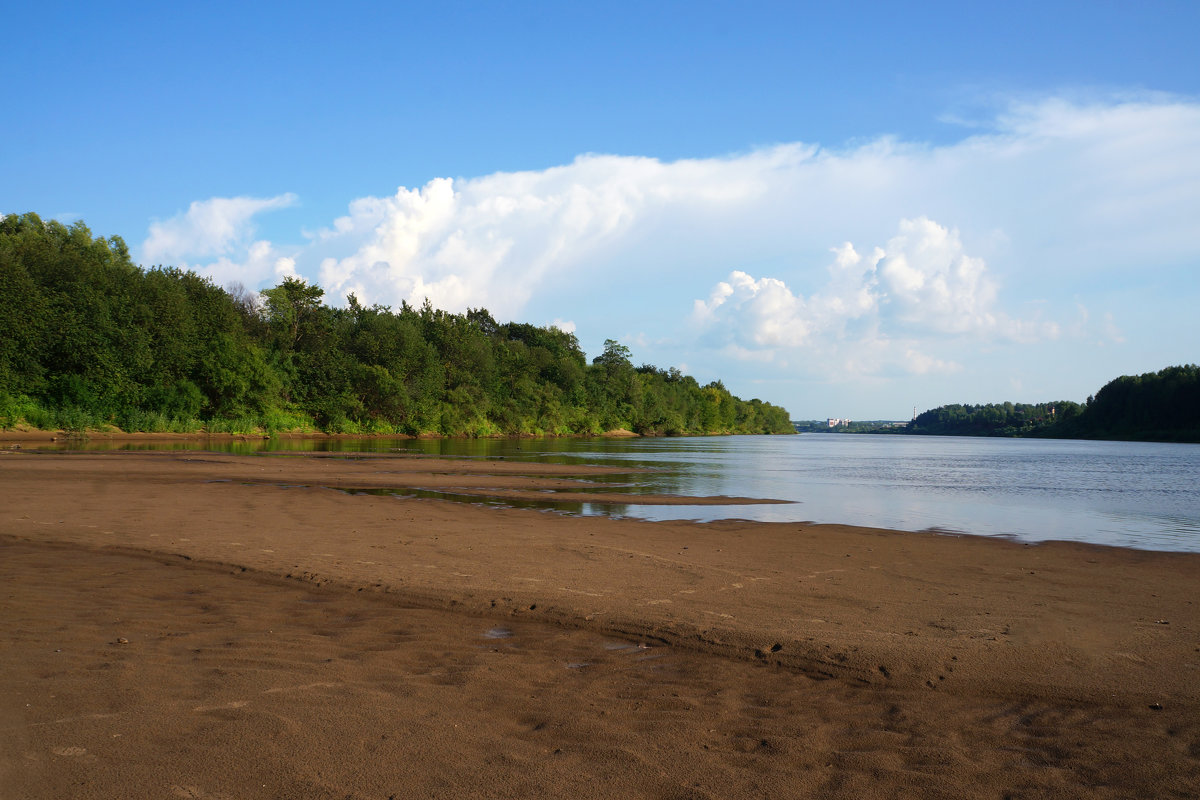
x=200 y=625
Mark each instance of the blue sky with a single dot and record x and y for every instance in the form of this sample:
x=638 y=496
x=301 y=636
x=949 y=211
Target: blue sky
x=847 y=209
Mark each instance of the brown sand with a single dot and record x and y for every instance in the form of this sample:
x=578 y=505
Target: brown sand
x=200 y=625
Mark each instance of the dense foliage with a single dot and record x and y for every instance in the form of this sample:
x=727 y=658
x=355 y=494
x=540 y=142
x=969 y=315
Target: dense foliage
x=1156 y=406
x=993 y=419
x=89 y=339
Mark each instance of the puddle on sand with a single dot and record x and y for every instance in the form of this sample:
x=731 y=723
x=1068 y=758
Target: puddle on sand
x=598 y=507
x=594 y=507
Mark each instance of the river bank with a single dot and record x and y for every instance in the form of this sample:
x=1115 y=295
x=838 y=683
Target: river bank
x=238 y=610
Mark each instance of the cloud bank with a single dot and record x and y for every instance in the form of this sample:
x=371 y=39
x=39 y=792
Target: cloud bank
x=493 y=240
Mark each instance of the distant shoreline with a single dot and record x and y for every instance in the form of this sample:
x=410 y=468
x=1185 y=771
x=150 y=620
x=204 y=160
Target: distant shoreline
x=24 y=434
x=898 y=431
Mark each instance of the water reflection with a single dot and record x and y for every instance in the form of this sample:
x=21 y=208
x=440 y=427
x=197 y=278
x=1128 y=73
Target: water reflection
x=594 y=508
x=574 y=507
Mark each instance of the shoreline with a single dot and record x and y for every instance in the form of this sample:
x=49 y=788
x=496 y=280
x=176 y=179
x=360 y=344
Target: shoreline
x=951 y=629
x=23 y=434
x=557 y=498
x=521 y=481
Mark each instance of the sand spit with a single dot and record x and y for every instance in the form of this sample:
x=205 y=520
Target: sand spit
x=199 y=625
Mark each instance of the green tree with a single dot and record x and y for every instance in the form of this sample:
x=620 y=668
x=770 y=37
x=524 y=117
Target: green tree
x=88 y=338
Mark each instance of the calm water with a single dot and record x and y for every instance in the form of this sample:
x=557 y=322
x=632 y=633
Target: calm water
x=1120 y=493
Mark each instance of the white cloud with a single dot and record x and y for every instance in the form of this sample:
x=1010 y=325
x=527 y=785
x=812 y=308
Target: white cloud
x=933 y=284
x=215 y=227
x=221 y=227
x=493 y=240
x=919 y=363
x=260 y=264
x=922 y=283
x=1051 y=186
x=760 y=313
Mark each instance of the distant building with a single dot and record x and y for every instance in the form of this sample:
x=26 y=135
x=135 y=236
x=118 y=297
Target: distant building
x=836 y=423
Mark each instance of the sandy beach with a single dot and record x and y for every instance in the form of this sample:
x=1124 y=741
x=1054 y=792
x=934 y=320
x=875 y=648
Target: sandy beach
x=199 y=625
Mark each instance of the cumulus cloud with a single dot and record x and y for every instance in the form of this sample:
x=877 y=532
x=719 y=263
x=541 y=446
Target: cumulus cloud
x=493 y=240
x=1050 y=185
x=221 y=227
x=260 y=263
x=762 y=313
x=921 y=282
x=214 y=227
x=765 y=313
x=932 y=283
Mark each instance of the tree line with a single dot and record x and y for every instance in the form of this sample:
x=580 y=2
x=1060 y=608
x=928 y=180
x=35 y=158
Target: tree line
x=88 y=339
x=1155 y=406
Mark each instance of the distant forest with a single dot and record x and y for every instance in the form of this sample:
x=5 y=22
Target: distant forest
x=1156 y=406
x=89 y=340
